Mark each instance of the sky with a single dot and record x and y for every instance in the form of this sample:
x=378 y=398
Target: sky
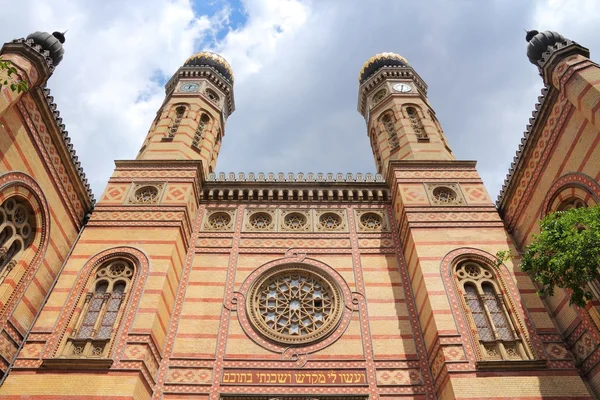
x=296 y=64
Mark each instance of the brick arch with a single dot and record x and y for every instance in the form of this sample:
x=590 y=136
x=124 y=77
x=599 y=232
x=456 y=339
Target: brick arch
x=574 y=184
x=63 y=326
x=506 y=284
x=19 y=184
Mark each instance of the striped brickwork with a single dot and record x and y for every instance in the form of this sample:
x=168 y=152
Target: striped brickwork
x=433 y=237
x=167 y=142
x=35 y=166
x=560 y=162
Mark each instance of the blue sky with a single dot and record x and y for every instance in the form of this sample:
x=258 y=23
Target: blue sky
x=296 y=64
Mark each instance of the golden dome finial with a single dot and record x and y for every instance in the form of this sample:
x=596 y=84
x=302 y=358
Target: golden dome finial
x=211 y=59
x=378 y=61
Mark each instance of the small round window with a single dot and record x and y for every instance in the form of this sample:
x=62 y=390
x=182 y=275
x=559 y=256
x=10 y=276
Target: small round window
x=219 y=220
x=260 y=220
x=330 y=221
x=371 y=221
x=146 y=194
x=443 y=194
x=295 y=221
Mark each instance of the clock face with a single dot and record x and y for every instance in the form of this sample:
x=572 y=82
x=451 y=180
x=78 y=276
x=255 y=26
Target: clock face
x=189 y=87
x=402 y=87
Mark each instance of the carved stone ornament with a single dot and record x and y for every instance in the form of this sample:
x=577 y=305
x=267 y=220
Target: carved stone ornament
x=260 y=220
x=445 y=194
x=371 y=221
x=146 y=193
x=330 y=221
x=295 y=221
x=219 y=220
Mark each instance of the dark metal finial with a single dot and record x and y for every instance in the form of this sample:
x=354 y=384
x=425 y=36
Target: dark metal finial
x=530 y=34
x=60 y=36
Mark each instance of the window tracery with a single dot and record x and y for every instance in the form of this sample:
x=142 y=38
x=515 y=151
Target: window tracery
x=295 y=304
x=330 y=221
x=212 y=95
x=377 y=97
x=102 y=307
x=416 y=123
x=179 y=112
x=199 y=133
x=389 y=122
x=496 y=335
x=17 y=229
x=571 y=203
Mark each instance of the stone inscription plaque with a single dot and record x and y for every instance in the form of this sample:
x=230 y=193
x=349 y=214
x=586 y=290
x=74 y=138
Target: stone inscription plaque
x=354 y=377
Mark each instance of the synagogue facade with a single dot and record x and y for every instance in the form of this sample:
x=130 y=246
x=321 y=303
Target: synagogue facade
x=180 y=282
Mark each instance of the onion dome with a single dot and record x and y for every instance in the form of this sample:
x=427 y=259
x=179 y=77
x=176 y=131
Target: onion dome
x=209 y=59
x=51 y=43
x=379 y=61
x=539 y=43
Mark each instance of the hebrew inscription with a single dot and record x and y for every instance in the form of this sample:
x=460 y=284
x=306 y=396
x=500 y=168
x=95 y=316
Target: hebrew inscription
x=295 y=378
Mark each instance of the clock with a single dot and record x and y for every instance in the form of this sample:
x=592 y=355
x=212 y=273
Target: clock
x=402 y=87
x=189 y=87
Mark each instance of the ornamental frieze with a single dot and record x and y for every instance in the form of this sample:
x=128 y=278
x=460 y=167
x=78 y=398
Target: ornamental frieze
x=345 y=377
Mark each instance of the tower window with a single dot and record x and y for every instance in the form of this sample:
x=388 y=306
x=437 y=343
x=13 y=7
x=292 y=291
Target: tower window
x=415 y=123
x=199 y=133
x=377 y=97
x=179 y=112
x=212 y=95
x=389 y=122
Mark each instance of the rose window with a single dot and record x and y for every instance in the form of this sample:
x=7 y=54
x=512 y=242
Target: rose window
x=260 y=220
x=371 y=221
x=295 y=304
x=219 y=220
x=146 y=194
x=295 y=221
x=444 y=195
x=330 y=221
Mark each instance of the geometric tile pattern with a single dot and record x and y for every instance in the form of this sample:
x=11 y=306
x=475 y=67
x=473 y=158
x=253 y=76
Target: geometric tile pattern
x=399 y=377
x=196 y=376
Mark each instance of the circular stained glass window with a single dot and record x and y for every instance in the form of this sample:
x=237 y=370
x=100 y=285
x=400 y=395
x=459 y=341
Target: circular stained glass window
x=295 y=304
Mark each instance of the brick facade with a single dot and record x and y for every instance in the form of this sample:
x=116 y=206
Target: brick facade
x=390 y=245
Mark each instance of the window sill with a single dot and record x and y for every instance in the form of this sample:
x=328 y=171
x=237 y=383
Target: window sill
x=77 y=363
x=423 y=140
x=167 y=139
x=510 y=365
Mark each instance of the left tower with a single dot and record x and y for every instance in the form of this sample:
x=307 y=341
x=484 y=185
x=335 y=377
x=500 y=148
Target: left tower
x=44 y=195
x=190 y=124
x=108 y=315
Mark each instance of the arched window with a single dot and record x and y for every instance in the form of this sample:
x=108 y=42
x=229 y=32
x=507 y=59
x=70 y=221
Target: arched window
x=212 y=95
x=389 y=122
x=101 y=309
x=571 y=203
x=496 y=334
x=179 y=112
x=17 y=230
x=377 y=97
x=204 y=120
x=415 y=123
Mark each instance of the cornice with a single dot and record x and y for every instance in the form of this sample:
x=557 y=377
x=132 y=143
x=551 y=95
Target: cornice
x=542 y=108
x=45 y=101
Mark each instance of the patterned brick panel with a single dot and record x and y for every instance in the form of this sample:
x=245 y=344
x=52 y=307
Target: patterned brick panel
x=287 y=243
x=195 y=376
x=399 y=377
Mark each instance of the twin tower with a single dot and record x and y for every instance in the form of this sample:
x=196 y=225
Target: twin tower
x=392 y=98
